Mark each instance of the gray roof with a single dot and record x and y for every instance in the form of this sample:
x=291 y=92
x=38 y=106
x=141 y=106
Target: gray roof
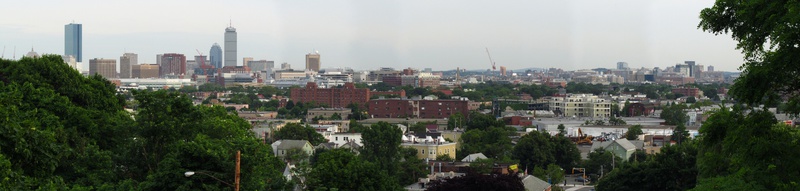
x=473 y=157
x=532 y=183
x=600 y=144
x=351 y=145
x=327 y=145
x=638 y=143
x=292 y=144
x=624 y=143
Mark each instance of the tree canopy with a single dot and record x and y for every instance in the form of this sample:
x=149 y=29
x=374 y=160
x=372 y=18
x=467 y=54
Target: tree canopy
x=61 y=130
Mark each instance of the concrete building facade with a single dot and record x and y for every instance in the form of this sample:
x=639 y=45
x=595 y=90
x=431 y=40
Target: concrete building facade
x=580 y=105
x=105 y=67
x=230 y=46
x=313 y=61
x=126 y=62
x=144 y=71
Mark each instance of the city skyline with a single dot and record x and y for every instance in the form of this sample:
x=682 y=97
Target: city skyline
x=400 y=34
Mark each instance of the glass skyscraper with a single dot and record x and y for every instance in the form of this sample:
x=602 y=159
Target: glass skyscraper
x=73 y=41
x=215 y=55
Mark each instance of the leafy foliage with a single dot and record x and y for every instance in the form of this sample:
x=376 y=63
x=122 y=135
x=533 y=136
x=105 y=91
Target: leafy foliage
x=671 y=169
x=537 y=149
x=341 y=169
x=477 y=181
x=296 y=131
x=633 y=132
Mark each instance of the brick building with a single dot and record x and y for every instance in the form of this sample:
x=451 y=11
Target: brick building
x=429 y=109
x=694 y=92
x=332 y=97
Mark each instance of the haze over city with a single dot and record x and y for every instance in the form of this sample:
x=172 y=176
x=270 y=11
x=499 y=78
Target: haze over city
x=441 y=35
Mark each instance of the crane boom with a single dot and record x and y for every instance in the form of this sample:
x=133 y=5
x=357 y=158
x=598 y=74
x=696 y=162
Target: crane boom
x=490 y=58
x=203 y=62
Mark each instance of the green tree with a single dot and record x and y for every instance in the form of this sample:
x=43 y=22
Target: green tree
x=674 y=114
x=494 y=142
x=382 y=146
x=411 y=167
x=483 y=121
x=296 y=131
x=671 y=169
x=534 y=149
x=691 y=99
x=633 y=132
x=680 y=134
x=444 y=157
x=601 y=162
x=562 y=130
x=478 y=182
x=482 y=166
x=456 y=120
x=342 y=170
x=553 y=174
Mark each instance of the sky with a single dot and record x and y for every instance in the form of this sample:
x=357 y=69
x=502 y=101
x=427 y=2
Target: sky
x=365 y=35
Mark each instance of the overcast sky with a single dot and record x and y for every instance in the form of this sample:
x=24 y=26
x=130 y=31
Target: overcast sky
x=440 y=34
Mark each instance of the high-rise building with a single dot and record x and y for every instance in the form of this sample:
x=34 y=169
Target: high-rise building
x=172 y=64
x=710 y=68
x=257 y=65
x=201 y=60
x=502 y=71
x=270 y=64
x=144 y=71
x=286 y=66
x=622 y=66
x=215 y=55
x=105 y=67
x=70 y=60
x=312 y=61
x=73 y=41
x=691 y=67
x=158 y=59
x=126 y=61
x=245 y=60
x=230 y=46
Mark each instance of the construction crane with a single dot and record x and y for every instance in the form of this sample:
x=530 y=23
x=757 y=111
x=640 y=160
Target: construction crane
x=490 y=59
x=203 y=62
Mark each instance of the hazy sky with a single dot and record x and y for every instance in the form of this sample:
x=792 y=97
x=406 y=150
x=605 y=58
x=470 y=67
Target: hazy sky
x=365 y=34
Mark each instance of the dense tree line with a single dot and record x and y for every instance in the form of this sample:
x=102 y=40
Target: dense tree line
x=60 y=130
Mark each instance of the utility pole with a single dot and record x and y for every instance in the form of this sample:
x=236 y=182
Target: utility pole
x=238 y=174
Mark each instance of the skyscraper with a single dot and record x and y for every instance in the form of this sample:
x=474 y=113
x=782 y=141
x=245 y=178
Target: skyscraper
x=126 y=61
x=172 y=64
x=622 y=65
x=230 y=46
x=312 y=61
x=286 y=66
x=691 y=67
x=215 y=54
x=105 y=67
x=73 y=41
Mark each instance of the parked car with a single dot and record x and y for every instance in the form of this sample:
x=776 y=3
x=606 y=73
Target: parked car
x=581 y=179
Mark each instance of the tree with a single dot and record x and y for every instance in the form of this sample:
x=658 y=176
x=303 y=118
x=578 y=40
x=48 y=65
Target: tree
x=444 y=157
x=680 y=134
x=476 y=181
x=691 y=99
x=765 y=36
x=671 y=169
x=456 y=120
x=493 y=142
x=562 y=130
x=634 y=132
x=553 y=174
x=534 y=149
x=482 y=166
x=336 y=116
x=342 y=170
x=616 y=121
x=296 y=131
x=356 y=112
x=602 y=161
x=382 y=146
x=674 y=114
x=483 y=121
x=411 y=167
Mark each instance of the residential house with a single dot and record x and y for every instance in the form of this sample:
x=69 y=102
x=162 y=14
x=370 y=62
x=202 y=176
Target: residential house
x=281 y=147
x=531 y=183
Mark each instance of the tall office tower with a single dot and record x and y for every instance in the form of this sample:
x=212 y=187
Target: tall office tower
x=245 y=60
x=691 y=67
x=710 y=68
x=172 y=64
x=105 y=67
x=622 y=65
x=286 y=66
x=126 y=61
x=230 y=46
x=215 y=55
x=312 y=61
x=158 y=59
x=502 y=71
x=73 y=41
